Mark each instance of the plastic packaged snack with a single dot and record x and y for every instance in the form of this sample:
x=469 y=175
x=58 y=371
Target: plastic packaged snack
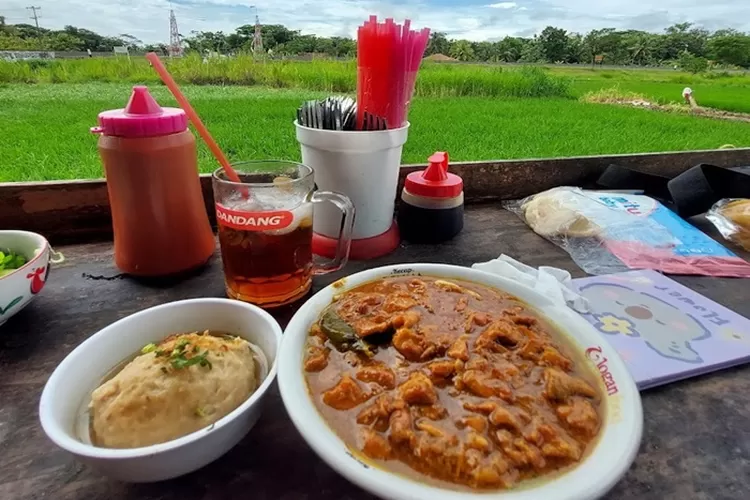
x=608 y=232
x=731 y=216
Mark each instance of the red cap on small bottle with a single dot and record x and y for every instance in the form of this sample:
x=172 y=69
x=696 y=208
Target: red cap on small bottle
x=435 y=181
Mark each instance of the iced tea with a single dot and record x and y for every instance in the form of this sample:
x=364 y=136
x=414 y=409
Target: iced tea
x=265 y=232
x=267 y=268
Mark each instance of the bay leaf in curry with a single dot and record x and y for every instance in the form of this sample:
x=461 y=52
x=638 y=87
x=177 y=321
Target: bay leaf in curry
x=341 y=334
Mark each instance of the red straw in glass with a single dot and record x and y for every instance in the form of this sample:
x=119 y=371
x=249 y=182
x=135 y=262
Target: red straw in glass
x=193 y=116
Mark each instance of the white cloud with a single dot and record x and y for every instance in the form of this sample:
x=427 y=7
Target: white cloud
x=149 y=19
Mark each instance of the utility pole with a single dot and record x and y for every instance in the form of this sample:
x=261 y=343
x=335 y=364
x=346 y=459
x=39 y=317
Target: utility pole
x=34 y=15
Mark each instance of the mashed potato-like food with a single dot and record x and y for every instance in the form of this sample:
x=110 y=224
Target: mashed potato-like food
x=557 y=213
x=185 y=383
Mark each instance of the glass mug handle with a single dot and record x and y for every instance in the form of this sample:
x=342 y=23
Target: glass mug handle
x=345 y=234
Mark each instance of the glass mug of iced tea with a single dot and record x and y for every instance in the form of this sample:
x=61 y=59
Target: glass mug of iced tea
x=265 y=231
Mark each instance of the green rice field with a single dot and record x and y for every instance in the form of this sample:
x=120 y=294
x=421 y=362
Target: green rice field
x=474 y=112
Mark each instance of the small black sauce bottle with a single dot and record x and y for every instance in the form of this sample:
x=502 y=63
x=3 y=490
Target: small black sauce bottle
x=432 y=203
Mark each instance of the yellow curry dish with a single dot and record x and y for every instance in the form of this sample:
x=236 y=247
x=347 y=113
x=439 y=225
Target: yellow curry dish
x=451 y=383
x=184 y=383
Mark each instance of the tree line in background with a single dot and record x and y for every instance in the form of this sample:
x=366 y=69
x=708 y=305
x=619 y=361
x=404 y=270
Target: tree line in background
x=277 y=39
x=684 y=44
x=70 y=38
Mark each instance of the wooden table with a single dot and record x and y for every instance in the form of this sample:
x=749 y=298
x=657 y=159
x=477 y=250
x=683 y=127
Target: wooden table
x=696 y=443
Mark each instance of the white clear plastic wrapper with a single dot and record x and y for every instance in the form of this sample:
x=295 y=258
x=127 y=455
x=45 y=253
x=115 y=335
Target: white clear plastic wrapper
x=607 y=232
x=731 y=216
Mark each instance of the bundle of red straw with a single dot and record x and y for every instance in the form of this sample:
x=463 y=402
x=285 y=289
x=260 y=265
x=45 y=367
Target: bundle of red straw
x=388 y=58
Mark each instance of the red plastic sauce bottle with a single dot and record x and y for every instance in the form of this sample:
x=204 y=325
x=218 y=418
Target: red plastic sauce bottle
x=432 y=203
x=158 y=214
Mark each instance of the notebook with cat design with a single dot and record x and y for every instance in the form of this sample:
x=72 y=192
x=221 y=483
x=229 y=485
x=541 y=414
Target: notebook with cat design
x=663 y=330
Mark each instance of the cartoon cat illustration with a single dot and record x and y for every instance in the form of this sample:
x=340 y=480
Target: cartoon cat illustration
x=664 y=328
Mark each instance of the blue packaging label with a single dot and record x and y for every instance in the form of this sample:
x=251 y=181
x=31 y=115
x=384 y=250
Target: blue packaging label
x=663 y=228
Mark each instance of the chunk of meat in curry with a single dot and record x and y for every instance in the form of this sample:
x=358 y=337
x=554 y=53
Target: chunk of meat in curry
x=470 y=387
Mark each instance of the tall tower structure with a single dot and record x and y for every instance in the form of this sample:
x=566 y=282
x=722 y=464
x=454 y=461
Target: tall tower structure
x=175 y=45
x=258 y=37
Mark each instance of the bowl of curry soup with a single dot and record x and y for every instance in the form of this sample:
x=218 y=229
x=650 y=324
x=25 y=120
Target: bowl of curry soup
x=429 y=381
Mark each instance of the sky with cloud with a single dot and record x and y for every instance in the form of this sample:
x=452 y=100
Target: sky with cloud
x=476 y=20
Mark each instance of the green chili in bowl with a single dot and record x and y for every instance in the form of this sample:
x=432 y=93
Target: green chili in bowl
x=10 y=261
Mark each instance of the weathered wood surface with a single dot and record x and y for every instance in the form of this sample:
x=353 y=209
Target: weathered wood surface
x=77 y=211
x=696 y=443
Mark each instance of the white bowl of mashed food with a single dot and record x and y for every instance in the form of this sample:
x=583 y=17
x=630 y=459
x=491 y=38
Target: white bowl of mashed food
x=165 y=391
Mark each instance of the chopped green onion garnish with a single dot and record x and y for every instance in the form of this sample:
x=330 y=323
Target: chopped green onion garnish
x=180 y=361
x=179 y=348
x=148 y=348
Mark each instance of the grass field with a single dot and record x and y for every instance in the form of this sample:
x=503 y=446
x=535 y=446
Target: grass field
x=45 y=128
x=728 y=98
x=436 y=80
x=720 y=89
x=476 y=112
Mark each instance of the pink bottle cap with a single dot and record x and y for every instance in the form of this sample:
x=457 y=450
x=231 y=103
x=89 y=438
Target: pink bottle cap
x=142 y=117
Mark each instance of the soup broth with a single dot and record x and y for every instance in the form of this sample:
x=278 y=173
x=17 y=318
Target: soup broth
x=451 y=382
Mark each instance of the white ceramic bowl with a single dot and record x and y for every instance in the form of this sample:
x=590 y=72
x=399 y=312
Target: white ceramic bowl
x=83 y=369
x=19 y=287
x=593 y=477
